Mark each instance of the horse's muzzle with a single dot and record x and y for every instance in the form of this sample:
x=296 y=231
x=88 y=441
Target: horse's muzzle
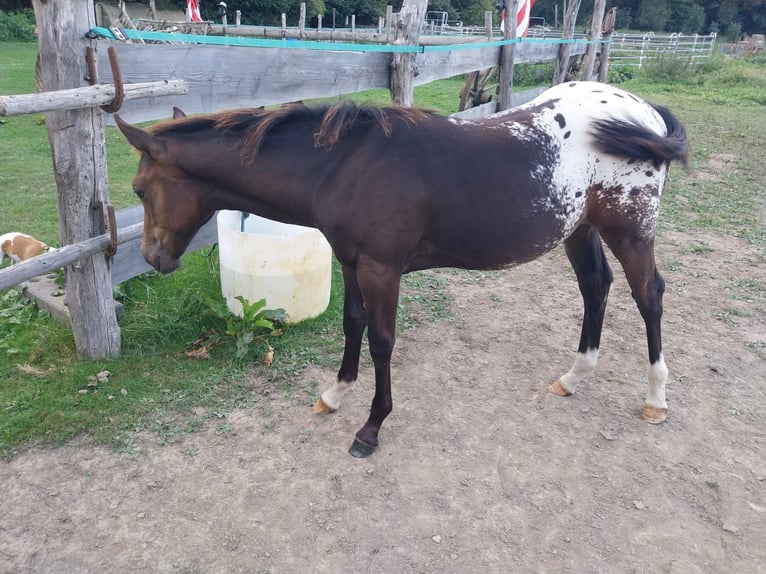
x=165 y=264
x=161 y=261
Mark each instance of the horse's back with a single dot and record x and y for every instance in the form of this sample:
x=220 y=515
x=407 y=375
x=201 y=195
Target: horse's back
x=582 y=103
x=506 y=189
x=610 y=152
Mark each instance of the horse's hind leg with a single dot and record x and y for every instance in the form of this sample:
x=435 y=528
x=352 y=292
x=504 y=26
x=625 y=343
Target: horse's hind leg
x=647 y=287
x=354 y=323
x=594 y=277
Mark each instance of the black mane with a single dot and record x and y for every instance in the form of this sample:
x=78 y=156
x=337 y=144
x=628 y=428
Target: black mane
x=254 y=124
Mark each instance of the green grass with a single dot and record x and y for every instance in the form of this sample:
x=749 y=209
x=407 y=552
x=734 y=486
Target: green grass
x=47 y=396
x=723 y=106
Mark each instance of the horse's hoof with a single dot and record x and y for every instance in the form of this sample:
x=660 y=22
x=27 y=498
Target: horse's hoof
x=361 y=449
x=654 y=415
x=320 y=407
x=558 y=389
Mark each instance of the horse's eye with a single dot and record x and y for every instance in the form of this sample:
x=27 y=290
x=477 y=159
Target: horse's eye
x=139 y=193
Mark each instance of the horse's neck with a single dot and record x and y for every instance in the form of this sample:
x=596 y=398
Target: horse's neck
x=277 y=184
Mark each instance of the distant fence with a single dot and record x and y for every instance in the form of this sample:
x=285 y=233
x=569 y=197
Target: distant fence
x=635 y=49
x=625 y=49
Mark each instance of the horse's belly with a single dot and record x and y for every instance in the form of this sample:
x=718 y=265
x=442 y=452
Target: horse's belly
x=490 y=241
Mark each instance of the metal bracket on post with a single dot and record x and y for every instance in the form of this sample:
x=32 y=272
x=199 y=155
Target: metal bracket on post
x=119 y=88
x=107 y=218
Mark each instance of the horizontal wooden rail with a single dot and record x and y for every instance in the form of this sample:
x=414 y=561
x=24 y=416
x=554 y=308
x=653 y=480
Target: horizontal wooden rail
x=86 y=97
x=53 y=260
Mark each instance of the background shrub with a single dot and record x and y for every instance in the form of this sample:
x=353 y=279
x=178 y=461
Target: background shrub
x=17 y=26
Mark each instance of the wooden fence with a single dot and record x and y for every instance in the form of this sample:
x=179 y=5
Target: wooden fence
x=228 y=76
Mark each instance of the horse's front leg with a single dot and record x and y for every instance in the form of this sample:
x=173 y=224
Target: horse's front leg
x=380 y=288
x=354 y=324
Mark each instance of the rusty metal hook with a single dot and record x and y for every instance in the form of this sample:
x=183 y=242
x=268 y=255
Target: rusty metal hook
x=106 y=211
x=119 y=88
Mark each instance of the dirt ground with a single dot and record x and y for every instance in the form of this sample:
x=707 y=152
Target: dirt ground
x=480 y=468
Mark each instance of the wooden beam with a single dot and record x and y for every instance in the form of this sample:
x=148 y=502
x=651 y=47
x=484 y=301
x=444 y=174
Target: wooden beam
x=517 y=98
x=595 y=34
x=408 y=24
x=79 y=162
x=607 y=28
x=67 y=255
x=507 y=56
x=224 y=77
x=565 y=50
x=129 y=262
x=85 y=97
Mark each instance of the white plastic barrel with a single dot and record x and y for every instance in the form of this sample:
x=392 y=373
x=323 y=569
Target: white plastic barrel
x=288 y=265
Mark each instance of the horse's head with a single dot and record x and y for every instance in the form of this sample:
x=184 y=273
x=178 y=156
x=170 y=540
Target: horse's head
x=174 y=201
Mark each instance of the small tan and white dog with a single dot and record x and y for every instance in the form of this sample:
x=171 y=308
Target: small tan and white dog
x=20 y=246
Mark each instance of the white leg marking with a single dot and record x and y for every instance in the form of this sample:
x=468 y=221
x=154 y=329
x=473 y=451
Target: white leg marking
x=332 y=396
x=657 y=376
x=583 y=366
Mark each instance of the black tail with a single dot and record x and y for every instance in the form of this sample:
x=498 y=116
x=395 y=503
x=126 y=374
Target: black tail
x=632 y=140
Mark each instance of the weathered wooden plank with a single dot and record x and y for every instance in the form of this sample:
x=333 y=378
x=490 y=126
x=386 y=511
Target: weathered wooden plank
x=222 y=77
x=128 y=262
x=484 y=110
x=85 y=97
x=63 y=256
x=433 y=66
x=437 y=65
x=47 y=295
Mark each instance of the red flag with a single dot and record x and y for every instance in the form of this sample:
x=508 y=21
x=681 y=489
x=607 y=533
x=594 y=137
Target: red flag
x=522 y=17
x=192 y=11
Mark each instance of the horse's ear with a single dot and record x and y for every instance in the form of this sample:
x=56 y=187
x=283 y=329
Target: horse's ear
x=140 y=139
x=178 y=113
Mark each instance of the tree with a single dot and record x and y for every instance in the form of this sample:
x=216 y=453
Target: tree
x=753 y=18
x=652 y=15
x=686 y=16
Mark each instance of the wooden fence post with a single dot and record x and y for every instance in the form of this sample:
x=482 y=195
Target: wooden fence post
x=488 y=24
x=507 y=56
x=408 y=24
x=608 y=29
x=595 y=35
x=79 y=161
x=562 y=64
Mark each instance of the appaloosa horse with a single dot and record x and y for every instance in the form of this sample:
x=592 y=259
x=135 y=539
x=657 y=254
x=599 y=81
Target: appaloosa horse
x=396 y=190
